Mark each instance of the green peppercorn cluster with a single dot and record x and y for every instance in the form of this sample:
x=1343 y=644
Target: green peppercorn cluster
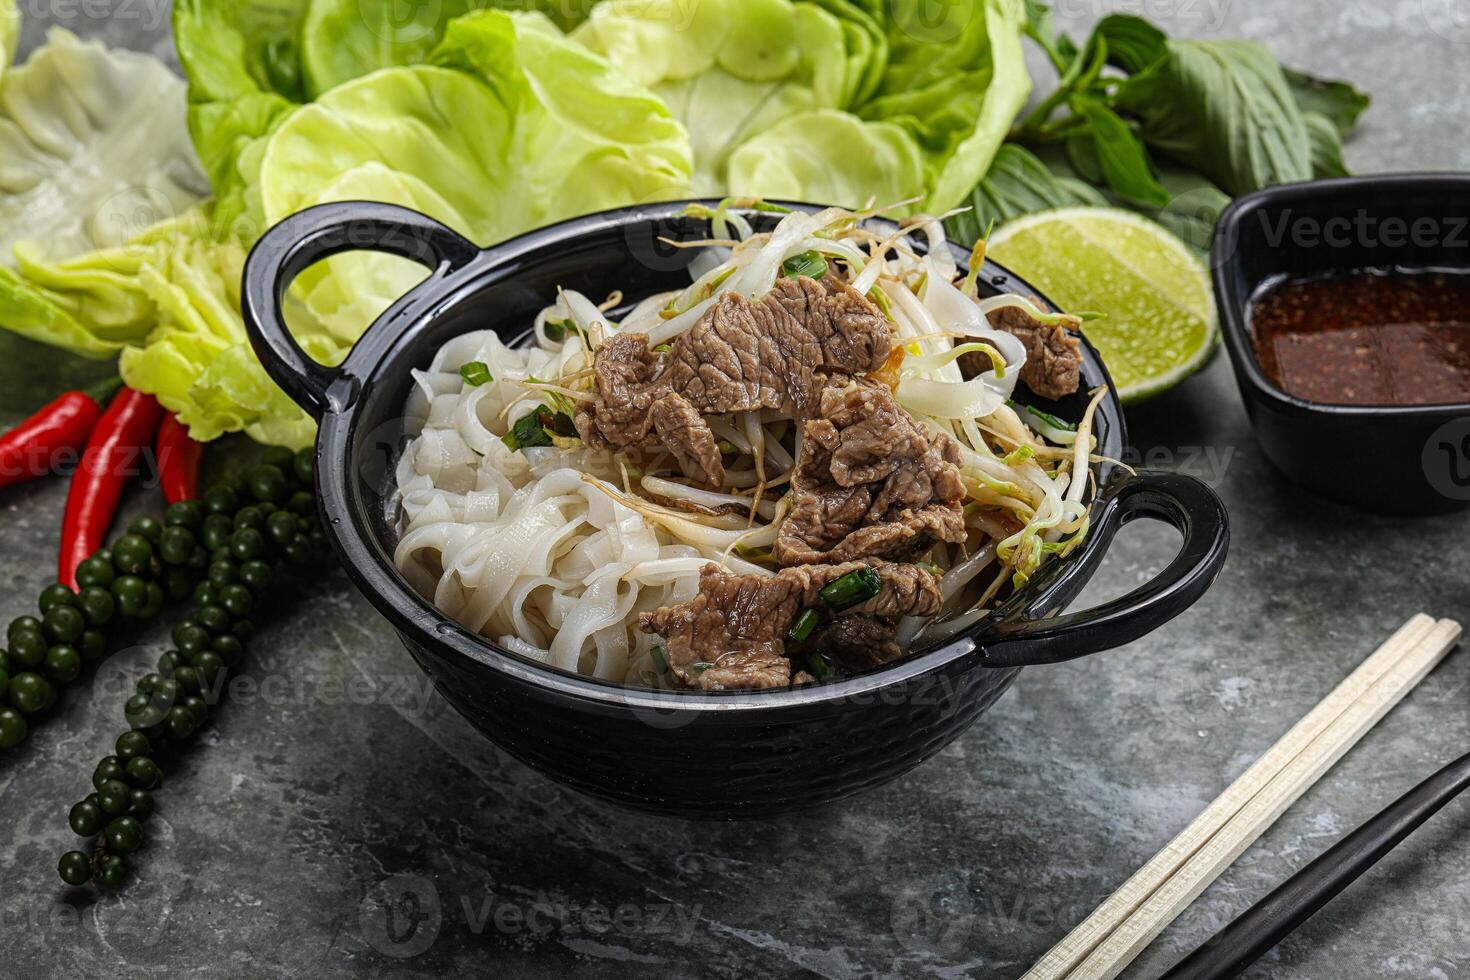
x=118 y=588
x=247 y=532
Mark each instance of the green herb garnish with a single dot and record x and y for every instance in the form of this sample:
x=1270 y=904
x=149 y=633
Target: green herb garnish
x=1019 y=455
x=537 y=427
x=805 y=623
x=809 y=264
x=819 y=666
x=660 y=661
x=851 y=589
x=555 y=329
x=475 y=373
x=1046 y=417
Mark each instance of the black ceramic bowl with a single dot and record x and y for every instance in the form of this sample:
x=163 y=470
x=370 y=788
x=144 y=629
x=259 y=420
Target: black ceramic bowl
x=697 y=754
x=1392 y=459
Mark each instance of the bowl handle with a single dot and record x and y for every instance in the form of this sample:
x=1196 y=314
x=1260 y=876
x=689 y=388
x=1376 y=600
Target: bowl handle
x=1176 y=499
x=317 y=233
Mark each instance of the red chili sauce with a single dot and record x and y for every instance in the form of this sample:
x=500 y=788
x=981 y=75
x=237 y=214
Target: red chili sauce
x=1379 y=337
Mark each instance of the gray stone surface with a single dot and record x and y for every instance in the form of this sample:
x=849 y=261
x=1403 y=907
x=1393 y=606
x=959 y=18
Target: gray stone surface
x=302 y=799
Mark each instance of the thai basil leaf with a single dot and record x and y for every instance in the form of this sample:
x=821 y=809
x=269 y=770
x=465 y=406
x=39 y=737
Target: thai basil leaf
x=1018 y=183
x=1338 y=102
x=1194 y=206
x=1038 y=27
x=1133 y=44
x=1326 y=146
x=1082 y=157
x=1120 y=154
x=1223 y=108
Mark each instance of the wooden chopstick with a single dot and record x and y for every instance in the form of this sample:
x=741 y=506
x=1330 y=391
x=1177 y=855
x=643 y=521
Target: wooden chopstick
x=1124 y=924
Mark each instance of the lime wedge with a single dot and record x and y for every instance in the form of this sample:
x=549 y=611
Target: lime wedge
x=1160 y=325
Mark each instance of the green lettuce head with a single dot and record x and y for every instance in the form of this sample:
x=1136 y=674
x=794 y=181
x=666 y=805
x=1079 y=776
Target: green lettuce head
x=835 y=102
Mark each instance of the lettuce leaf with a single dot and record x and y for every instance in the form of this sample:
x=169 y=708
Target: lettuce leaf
x=243 y=65
x=955 y=81
x=93 y=152
x=829 y=155
x=729 y=69
x=92 y=148
x=763 y=87
x=197 y=359
x=499 y=135
x=513 y=126
x=346 y=39
x=9 y=33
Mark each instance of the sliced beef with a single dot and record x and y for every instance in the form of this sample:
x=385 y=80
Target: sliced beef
x=733 y=633
x=777 y=352
x=858 y=642
x=627 y=387
x=1053 y=354
x=683 y=431
x=871 y=481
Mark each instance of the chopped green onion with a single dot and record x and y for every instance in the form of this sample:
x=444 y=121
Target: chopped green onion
x=555 y=329
x=560 y=424
x=663 y=348
x=851 y=589
x=759 y=205
x=660 y=661
x=475 y=373
x=528 y=431
x=700 y=667
x=819 y=667
x=936 y=570
x=1046 y=417
x=805 y=623
x=809 y=264
x=1019 y=455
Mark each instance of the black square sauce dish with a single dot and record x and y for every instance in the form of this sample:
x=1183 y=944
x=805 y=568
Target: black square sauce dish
x=1345 y=307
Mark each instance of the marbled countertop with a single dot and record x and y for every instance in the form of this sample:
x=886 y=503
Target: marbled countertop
x=346 y=774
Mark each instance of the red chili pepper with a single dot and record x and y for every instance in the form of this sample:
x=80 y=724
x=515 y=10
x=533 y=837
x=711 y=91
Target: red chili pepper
x=114 y=453
x=39 y=444
x=178 y=460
